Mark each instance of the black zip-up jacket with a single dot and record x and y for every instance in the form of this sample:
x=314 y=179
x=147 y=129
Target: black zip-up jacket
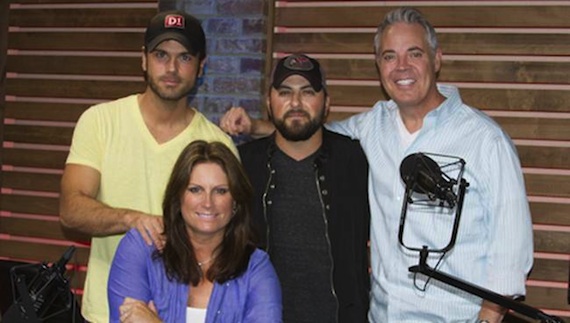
x=342 y=174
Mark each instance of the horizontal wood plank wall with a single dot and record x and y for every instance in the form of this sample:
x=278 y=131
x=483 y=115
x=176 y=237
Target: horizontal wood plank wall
x=62 y=57
x=510 y=59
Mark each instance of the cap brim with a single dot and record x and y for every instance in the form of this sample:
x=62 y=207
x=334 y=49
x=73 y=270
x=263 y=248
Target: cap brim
x=315 y=84
x=168 y=36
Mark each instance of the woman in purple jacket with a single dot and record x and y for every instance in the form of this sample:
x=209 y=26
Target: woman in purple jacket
x=209 y=269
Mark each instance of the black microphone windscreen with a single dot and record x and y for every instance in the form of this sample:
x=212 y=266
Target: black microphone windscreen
x=419 y=169
x=423 y=175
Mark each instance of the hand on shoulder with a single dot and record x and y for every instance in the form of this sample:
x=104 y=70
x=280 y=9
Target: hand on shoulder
x=149 y=226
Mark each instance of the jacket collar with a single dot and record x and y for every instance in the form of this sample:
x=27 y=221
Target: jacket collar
x=323 y=150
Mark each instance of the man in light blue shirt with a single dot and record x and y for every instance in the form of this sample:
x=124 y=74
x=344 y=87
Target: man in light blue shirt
x=494 y=241
x=494 y=247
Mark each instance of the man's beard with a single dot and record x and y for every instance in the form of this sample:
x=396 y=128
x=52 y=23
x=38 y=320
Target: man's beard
x=168 y=95
x=297 y=131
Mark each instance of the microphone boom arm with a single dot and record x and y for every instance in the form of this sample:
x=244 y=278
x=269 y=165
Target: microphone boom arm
x=484 y=293
x=423 y=175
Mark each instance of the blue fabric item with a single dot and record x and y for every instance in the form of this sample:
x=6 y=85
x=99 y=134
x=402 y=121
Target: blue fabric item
x=494 y=247
x=255 y=296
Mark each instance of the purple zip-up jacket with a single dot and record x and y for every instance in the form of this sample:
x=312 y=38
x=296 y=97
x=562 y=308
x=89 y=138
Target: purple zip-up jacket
x=255 y=296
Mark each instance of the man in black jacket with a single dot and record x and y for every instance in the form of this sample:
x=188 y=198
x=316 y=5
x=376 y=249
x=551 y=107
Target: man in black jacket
x=311 y=201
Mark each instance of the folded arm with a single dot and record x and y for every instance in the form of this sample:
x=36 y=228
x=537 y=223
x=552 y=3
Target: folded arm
x=128 y=288
x=264 y=304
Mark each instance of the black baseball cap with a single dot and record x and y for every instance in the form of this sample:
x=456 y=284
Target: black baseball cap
x=176 y=25
x=299 y=64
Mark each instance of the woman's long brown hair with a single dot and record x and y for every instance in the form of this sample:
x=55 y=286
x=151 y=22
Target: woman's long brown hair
x=232 y=255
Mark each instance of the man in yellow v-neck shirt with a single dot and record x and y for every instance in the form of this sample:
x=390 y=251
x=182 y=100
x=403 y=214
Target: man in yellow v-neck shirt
x=123 y=151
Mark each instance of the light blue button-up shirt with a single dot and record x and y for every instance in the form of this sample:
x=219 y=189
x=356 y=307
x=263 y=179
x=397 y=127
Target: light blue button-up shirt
x=494 y=247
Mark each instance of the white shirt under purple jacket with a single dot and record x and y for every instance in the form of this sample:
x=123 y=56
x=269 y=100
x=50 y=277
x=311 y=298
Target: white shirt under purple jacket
x=255 y=296
x=494 y=247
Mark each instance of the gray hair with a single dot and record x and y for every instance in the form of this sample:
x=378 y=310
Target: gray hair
x=410 y=16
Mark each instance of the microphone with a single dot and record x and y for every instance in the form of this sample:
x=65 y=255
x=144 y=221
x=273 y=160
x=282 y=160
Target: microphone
x=422 y=175
x=42 y=286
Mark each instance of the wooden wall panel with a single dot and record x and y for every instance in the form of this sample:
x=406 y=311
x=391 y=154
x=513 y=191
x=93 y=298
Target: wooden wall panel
x=550 y=270
x=81 y=17
x=4 y=6
x=30 y=181
x=32 y=250
x=35 y=157
x=36 y=228
x=548 y=185
x=510 y=59
x=547 y=298
x=74 y=89
x=548 y=241
x=474 y=16
x=84 y=41
x=71 y=65
x=536 y=128
x=62 y=56
x=80 y=1
x=544 y=157
x=45 y=111
x=550 y=213
x=38 y=134
x=25 y=204
x=451 y=43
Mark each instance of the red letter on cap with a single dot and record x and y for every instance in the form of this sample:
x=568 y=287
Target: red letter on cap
x=174 y=21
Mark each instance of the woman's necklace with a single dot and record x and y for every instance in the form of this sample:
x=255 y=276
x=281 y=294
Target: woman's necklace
x=201 y=263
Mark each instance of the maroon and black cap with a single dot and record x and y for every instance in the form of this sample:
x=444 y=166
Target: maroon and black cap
x=176 y=25
x=299 y=64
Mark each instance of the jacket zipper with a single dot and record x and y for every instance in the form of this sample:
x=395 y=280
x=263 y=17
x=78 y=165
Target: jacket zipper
x=333 y=290
x=264 y=197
